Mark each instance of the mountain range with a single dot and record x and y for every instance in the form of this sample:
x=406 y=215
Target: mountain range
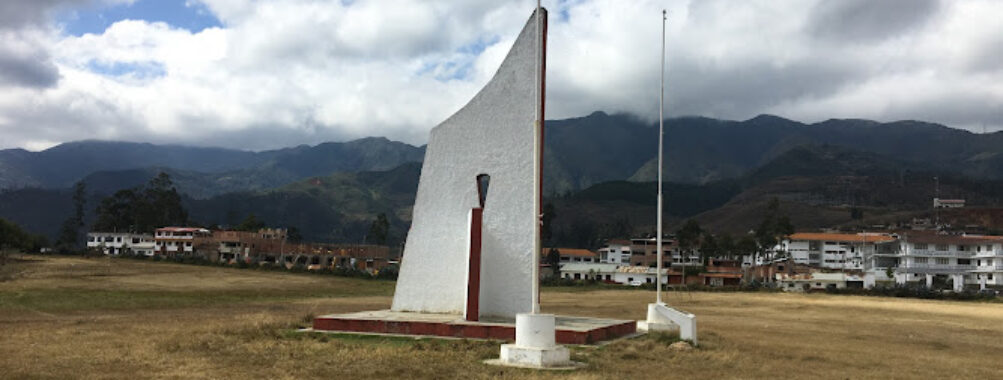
x=598 y=173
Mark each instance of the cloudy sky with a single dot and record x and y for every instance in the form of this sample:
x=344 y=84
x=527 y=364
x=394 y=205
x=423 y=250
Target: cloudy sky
x=258 y=74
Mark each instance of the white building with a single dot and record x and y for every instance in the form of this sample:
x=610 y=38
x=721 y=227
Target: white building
x=588 y=271
x=615 y=252
x=644 y=253
x=948 y=203
x=927 y=257
x=175 y=240
x=924 y=257
x=818 y=281
x=834 y=250
x=637 y=275
x=116 y=243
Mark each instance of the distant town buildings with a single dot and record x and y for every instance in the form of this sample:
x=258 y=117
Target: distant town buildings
x=114 y=243
x=806 y=261
x=267 y=246
x=948 y=203
x=180 y=240
x=922 y=257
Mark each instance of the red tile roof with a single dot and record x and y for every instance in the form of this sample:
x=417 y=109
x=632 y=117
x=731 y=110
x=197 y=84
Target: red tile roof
x=574 y=252
x=843 y=238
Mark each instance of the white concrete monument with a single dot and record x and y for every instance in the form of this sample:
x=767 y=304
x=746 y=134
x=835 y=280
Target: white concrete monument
x=491 y=140
x=471 y=260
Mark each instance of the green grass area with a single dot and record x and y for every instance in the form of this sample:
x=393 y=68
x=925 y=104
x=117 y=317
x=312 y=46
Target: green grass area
x=68 y=299
x=103 y=284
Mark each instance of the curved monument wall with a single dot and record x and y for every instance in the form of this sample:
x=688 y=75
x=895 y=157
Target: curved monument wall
x=493 y=135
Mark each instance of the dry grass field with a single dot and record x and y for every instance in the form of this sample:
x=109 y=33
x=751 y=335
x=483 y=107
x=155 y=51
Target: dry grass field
x=102 y=318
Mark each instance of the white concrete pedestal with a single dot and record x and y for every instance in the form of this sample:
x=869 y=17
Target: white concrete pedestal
x=664 y=318
x=535 y=345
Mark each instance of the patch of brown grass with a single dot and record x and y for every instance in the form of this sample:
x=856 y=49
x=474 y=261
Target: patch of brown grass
x=742 y=335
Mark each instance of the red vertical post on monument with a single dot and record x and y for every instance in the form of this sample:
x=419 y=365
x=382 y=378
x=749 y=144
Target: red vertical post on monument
x=472 y=313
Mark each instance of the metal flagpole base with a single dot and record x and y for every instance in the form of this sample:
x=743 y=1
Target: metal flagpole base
x=664 y=318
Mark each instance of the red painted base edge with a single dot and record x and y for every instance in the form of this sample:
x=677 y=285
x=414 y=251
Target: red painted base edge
x=476 y=331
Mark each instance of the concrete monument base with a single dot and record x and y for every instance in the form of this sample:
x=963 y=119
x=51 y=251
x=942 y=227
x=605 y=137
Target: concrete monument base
x=535 y=344
x=569 y=330
x=664 y=318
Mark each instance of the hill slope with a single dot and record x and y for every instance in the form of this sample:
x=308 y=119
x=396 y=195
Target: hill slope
x=203 y=171
x=579 y=152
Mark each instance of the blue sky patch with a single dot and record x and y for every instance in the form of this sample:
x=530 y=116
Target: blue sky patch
x=138 y=70
x=182 y=14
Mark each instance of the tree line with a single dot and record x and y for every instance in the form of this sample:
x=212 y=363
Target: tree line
x=770 y=231
x=13 y=238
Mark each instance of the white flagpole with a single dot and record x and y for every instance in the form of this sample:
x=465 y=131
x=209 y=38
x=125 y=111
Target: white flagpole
x=537 y=172
x=661 y=121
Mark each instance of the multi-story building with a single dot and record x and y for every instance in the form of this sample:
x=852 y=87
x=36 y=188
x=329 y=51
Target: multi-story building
x=928 y=257
x=615 y=252
x=364 y=257
x=117 y=243
x=925 y=257
x=248 y=245
x=181 y=240
x=834 y=250
x=573 y=255
x=643 y=253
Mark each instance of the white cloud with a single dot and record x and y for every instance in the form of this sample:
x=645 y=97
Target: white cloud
x=304 y=71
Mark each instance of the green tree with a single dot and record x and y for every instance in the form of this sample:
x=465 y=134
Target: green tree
x=165 y=203
x=726 y=246
x=142 y=209
x=772 y=229
x=117 y=212
x=746 y=246
x=69 y=234
x=379 y=230
x=250 y=224
x=688 y=236
x=709 y=247
x=293 y=235
x=554 y=259
x=13 y=238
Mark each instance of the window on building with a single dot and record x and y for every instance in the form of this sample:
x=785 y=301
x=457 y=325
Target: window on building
x=989 y=277
x=942 y=261
x=188 y=244
x=921 y=260
x=919 y=246
x=90 y=238
x=962 y=248
x=964 y=262
x=941 y=247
